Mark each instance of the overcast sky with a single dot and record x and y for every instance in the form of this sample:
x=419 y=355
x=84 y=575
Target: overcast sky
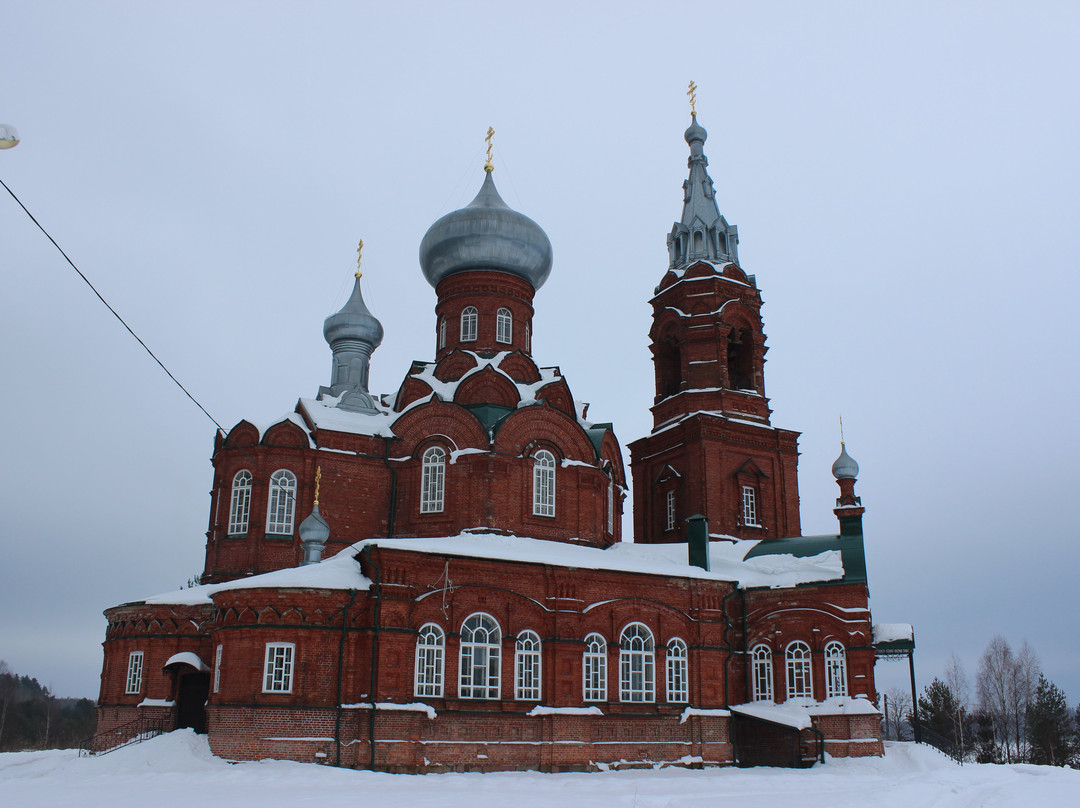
x=904 y=178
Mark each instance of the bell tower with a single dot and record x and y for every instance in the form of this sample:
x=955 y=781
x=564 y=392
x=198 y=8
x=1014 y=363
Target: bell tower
x=712 y=449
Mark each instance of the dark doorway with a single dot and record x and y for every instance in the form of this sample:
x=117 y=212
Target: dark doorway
x=192 y=692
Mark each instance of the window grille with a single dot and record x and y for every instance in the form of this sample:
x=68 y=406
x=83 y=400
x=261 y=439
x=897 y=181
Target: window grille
x=670 y=520
x=241 y=503
x=433 y=480
x=835 y=670
x=134 y=673
x=279 y=514
x=527 y=667
x=677 y=685
x=217 y=669
x=468 y=324
x=799 y=681
x=636 y=664
x=594 y=668
x=481 y=643
x=442 y=332
x=544 y=483
x=761 y=675
x=504 y=326
x=278 y=668
x=749 y=506
x=611 y=507
x=430 y=653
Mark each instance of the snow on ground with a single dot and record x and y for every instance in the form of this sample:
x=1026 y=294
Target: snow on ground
x=178 y=771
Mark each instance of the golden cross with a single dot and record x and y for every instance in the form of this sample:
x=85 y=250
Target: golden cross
x=692 y=92
x=488 y=166
x=318 y=479
x=359 y=255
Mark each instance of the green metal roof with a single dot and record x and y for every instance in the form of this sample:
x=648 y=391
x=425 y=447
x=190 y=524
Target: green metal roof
x=851 y=550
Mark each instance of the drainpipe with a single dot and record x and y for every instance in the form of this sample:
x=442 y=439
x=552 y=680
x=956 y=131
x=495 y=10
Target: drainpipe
x=374 y=652
x=393 y=490
x=340 y=668
x=727 y=666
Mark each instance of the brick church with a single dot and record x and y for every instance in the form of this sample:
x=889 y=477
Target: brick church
x=438 y=580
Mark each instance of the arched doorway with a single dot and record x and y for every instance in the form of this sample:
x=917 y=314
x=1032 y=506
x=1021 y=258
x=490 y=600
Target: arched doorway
x=192 y=690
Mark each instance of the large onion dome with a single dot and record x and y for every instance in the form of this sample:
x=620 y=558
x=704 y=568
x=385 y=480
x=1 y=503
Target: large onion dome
x=486 y=234
x=845 y=467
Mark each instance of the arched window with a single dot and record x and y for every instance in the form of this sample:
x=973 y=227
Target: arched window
x=241 y=503
x=740 y=360
x=761 y=673
x=430 y=648
x=677 y=686
x=527 y=667
x=544 y=483
x=433 y=480
x=279 y=515
x=594 y=668
x=442 y=332
x=637 y=680
x=468 y=324
x=835 y=670
x=504 y=326
x=481 y=641
x=799 y=683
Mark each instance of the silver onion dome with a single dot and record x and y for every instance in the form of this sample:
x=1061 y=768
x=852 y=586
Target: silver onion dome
x=486 y=234
x=845 y=467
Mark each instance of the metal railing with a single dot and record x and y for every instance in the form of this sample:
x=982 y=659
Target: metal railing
x=944 y=745
x=137 y=731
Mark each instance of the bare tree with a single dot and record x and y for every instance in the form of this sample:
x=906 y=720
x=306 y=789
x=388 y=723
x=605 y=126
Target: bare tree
x=957 y=682
x=898 y=709
x=1005 y=684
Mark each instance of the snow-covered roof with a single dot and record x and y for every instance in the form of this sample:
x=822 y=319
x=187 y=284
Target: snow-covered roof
x=324 y=414
x=798 y=713
x=893 y=632
x=728 y=562
x=188 y=658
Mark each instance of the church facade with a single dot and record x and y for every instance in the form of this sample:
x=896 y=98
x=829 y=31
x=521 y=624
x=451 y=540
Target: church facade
x=438 y=580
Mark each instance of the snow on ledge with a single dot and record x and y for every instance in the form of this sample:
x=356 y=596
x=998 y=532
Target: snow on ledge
x=689 y=711
x=188 y=658
x=540 y=710
x=412 y=707
x=798 y=713
x=157 y=703
x=893 y=632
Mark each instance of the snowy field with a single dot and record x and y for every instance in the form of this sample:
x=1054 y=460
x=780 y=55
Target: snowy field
x=178 y=771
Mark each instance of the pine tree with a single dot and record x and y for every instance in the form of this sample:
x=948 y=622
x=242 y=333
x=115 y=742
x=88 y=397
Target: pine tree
x=1050 y=732
x=939 y=710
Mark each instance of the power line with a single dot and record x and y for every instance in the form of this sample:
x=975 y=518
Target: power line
x=110 y=308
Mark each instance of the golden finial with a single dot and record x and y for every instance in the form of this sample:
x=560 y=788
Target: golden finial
x=318 y=478
x=359 y=256
x=488 y=165
x=692 y=92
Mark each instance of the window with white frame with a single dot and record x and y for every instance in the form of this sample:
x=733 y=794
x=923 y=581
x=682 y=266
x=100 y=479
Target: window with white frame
x=240 y=507
x=835 y=670
x=528 y=347
x=279 y=514
x=134 y=673
x=669 y=521
x=611 y=506
x=217 y=669
x=430 y=656
x=433 y=480
x=442 y=332
x=594 y=668
x=481 y=643
x=637 y=679
x=468 y=324
x=761 y=673
x=544 y=483
x=749 y=506
x=527 y=667
x=799 y=682
x=677 y=686
x=504 y=326
x=278 y=670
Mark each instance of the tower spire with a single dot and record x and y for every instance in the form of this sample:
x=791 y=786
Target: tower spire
x=702 y=234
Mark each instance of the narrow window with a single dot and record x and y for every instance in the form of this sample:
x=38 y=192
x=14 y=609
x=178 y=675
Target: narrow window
x=134 y=673
x=442 y=332
x=799 y=683
x=433 y=480
x=430 y=653
x=468 y=324
x=594 y=668
x=527 y=667
x=528 y=338
x=279 y=516
x=677 y=688
x=481 y=643
x=749 y=507
x=278 y=669
x=835 y=670
x=504 y=326
x=217 y=669
x=611 y=507
x=241 y=503
x=669 y=522
x=636 y=660
x=544 y=483
x=761 y=673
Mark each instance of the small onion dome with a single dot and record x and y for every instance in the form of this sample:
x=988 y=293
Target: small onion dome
x=486 y=234
x=845 y=467
x=695 y=132
x=354 y=322
x=314 y=529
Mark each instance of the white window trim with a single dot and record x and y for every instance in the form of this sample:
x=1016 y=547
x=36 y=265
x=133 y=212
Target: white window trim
x=278 y=667
x=217 y=669
x=677 y=669
x=637 y=664
x=442 y=333
x=749 y=506
x=835 y=670
x=611 y=506
x=594 y=669
x=543 y=483
x=281 y=505
x=761 y=677
x=469 y=322
x=480 y=661
x=504 y=326
x=433 y=480
x=527 y=667
x=133 y=685
x=430 y=661
x=800 y=675
x=240 y=503
x=670 y=504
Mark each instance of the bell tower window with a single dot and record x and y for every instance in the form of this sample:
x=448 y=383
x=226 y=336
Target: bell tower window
x=468 y=324
x=504 y=326
x=740 y=363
